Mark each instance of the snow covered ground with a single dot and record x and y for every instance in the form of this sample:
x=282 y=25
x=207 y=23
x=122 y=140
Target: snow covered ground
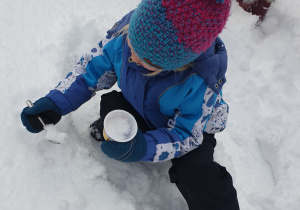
x=40 y=41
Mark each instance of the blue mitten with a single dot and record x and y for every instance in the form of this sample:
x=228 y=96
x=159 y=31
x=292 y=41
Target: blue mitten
x=131 y=151
x=43 y=108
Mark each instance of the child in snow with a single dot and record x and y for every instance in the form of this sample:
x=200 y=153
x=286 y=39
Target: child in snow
x=170 y=65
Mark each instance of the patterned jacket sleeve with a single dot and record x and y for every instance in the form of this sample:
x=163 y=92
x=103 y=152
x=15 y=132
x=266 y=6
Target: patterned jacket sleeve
x=94 y=71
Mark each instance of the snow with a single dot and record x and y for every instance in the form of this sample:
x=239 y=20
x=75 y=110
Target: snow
x=120 y=126
x=53 y=135
x=40 y=43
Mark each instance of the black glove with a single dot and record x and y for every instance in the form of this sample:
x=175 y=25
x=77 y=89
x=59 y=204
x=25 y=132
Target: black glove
x=43 y=108
x=131 y=151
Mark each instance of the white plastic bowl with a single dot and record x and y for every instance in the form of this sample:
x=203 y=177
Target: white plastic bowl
x=120 y=126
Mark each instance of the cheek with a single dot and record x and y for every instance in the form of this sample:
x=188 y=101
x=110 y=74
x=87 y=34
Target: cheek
x=135 y=58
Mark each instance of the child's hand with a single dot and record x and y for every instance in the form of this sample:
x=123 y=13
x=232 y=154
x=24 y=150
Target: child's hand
x=131 y=151
x=43 y=108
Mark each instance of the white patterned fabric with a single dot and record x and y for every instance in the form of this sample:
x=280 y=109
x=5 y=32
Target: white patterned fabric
x=214 y=113
x=106 y=81
x=218 y=119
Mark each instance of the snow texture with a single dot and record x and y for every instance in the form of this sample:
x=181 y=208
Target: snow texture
x=42 y=40
x=119 y=126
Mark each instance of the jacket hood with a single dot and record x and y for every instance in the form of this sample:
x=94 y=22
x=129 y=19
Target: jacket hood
x=212 y=65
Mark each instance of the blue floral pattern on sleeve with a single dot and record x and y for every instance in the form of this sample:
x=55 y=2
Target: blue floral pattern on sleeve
x=106 y=81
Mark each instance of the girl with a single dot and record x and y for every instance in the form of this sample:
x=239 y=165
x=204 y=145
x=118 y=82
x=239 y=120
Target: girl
x=170 y=65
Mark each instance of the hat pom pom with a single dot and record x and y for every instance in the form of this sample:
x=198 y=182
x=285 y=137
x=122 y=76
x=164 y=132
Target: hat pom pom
x=220 y=1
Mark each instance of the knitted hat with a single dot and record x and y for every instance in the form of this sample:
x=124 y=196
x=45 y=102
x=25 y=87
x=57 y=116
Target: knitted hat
x=172 y=33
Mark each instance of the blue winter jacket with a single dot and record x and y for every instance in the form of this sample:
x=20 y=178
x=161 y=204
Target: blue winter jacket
x=179 y=106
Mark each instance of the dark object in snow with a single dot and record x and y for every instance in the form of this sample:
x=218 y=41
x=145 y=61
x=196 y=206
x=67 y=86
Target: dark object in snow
x=96 y=130
x=257 y=7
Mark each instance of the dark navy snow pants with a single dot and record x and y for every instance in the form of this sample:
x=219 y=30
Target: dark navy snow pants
x=204 y=184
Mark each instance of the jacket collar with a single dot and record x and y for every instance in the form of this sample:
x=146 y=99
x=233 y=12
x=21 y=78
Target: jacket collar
x=212 y=65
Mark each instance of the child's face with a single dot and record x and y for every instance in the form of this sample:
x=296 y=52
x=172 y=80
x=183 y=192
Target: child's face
x=135 y=58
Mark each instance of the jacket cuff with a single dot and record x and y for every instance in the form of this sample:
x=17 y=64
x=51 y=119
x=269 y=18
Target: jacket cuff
x=131 y=151
x=61 y=101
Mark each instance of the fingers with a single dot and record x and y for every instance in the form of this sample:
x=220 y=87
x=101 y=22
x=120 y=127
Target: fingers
x=34 y=123
x=26 y=122
x=41 y=105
